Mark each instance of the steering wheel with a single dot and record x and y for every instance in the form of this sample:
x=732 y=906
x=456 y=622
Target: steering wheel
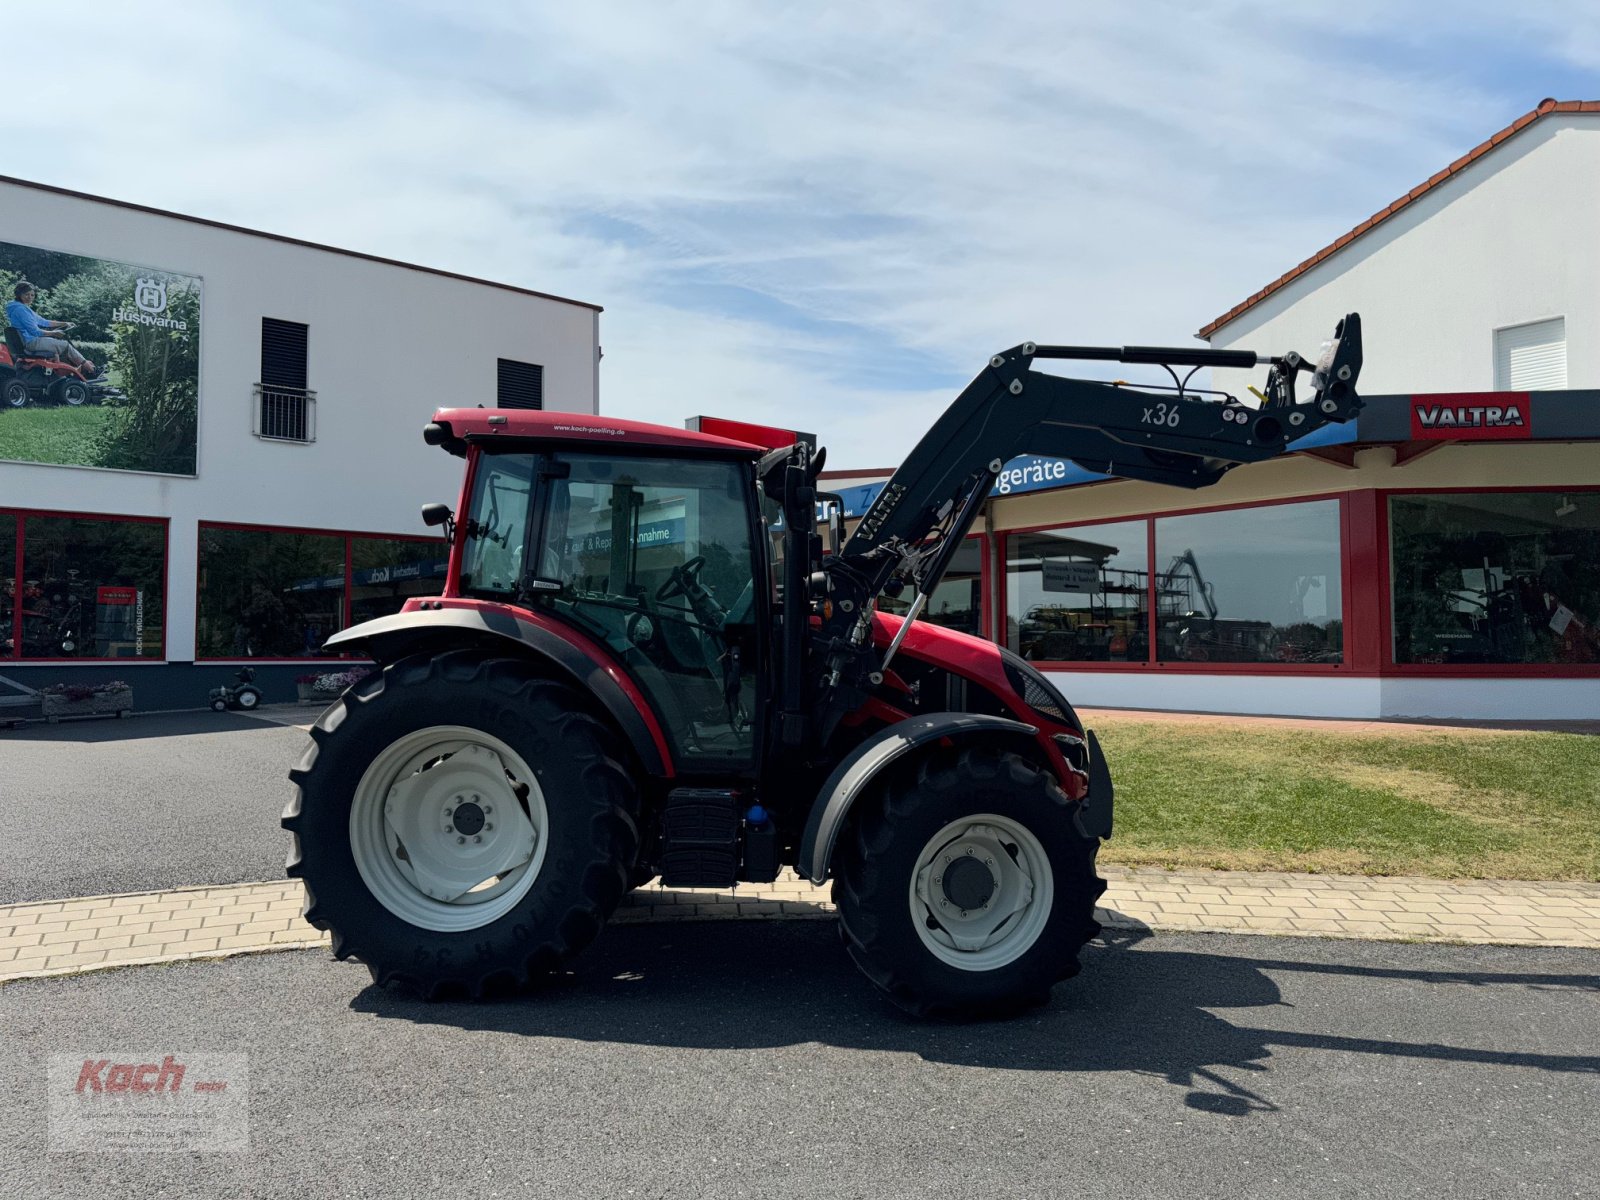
x=682 y=579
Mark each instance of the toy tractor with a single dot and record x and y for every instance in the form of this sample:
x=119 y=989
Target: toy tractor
x=647 y=661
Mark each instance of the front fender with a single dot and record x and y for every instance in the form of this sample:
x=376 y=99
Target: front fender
x=862 y=765
x=501 y=630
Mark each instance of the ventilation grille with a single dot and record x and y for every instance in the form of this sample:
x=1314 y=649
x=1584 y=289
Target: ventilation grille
x=1531 y=358
x=519 y=385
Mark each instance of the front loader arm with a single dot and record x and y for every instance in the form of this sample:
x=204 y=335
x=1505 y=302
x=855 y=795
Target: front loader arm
x=1123 y=431
x=1118 y=430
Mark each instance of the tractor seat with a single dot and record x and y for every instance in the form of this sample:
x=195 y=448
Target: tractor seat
x=14 y=344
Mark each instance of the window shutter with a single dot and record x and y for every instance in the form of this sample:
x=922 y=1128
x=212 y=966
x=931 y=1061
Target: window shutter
x=283 y=353
x=519 y=385
x=1531 y=358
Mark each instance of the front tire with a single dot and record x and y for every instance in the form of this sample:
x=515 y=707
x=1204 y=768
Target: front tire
x=441 y=769
x=964 y=887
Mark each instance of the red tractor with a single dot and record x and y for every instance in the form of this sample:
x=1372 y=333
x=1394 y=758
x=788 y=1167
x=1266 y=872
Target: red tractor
x=647 y=661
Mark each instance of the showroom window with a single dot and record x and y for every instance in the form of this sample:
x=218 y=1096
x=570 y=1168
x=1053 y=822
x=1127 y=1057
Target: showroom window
x=1250 y=585
x=268 y=593
x=386 y=572
x=280 y=593
x=1495 y=577
x=1080 y=594
x=90 y=587
x=957 y=603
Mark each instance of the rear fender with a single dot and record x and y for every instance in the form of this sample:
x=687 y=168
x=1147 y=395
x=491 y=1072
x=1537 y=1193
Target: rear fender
x=856 y=772
x=501 y=630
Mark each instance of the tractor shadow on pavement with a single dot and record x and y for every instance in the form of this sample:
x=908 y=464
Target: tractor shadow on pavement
x=134 y=728
x=1134 y=1008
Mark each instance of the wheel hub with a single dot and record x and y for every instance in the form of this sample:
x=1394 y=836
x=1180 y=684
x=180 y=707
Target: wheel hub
x=968 y=882
x=467 y=817
x=448 y=828
x=981 y=892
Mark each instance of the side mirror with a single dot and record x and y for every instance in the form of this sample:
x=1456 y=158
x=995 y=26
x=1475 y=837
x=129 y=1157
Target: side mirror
x=440 y=514
x=833 y=506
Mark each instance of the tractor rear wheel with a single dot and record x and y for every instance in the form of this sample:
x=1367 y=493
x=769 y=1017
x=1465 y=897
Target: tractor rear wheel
x=964 y=887
x=460 y=824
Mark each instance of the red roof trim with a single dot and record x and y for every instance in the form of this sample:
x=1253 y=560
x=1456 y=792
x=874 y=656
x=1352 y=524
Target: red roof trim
x=587 y=429
x=1528 y=118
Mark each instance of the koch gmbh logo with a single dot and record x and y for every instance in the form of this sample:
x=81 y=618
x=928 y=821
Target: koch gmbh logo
x=148 y=1103
x=151 y=296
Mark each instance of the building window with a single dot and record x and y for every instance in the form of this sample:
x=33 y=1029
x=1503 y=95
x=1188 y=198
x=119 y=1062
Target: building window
x=1079 y=595
x=1532 y=357
x=957 y=603
x=268 y=593
x=519 y=384
x=1496 y=577
x=386 y=572
x=1250 y=585
x=285 y=409
x=90 y=587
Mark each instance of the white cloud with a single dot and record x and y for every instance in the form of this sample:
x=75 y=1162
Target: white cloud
x=895 y=186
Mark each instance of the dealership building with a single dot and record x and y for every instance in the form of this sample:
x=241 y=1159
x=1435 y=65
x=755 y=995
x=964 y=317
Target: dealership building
x=1438 y=557
x=248 y=481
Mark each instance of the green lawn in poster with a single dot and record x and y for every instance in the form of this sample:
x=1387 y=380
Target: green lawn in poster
x=143 y=326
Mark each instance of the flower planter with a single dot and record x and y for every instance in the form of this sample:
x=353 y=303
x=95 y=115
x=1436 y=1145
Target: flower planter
x=307 y=692
x=115 y=702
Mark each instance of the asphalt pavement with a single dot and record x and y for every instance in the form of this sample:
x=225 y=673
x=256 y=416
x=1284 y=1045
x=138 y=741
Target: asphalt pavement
x=750 y=1059
x=156 y=801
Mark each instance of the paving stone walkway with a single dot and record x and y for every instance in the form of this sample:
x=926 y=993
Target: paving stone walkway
x=64 y=937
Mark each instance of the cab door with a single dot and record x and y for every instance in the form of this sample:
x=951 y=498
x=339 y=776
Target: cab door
x=659 y=559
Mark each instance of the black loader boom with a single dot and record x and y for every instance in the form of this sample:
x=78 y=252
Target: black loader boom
x=1176 y=435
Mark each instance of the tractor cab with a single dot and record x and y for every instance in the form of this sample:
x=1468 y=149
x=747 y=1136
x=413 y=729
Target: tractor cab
x=657 y=553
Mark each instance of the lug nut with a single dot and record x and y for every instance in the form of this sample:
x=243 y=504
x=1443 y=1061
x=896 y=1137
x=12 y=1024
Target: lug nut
x=487 y=810
x=460 y=840
x=478 y=838
x=490 y=826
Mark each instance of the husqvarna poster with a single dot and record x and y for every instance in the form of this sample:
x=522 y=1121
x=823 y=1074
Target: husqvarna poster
x=101 y=362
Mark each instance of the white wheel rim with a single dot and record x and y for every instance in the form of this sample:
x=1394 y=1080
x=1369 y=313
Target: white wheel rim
x=247 y=699
x=1013 y=914
x=439 y=832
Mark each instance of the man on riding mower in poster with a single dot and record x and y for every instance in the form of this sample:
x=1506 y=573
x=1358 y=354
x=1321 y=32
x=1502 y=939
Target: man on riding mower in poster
x=33 y=329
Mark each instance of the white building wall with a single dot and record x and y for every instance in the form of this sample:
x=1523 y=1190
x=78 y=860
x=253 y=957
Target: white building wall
x=387 y=345
x=1512 y=238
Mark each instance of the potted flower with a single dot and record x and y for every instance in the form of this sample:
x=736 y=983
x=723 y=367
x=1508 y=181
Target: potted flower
x=304 y=685
x=331 y=683
x=86 y=699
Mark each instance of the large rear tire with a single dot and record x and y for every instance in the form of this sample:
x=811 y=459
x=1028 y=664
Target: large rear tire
x=964 y=887
x=460 y=824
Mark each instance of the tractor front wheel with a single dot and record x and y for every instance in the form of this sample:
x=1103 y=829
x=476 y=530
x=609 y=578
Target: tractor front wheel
x=460 y=823
x=964 y=887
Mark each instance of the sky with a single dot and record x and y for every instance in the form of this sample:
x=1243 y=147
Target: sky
x=815 y=215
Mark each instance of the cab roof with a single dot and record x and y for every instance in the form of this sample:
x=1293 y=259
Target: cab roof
x=579 y=429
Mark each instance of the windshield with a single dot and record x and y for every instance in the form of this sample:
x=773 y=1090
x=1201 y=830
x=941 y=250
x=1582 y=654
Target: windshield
x=497 y=525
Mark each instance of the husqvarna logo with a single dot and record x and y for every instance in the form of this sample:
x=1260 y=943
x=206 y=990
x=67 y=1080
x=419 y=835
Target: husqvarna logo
x=149 y=307
x=1473 y=416
x=151 y=296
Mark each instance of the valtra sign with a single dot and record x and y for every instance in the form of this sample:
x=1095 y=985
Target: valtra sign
x=1471 y=416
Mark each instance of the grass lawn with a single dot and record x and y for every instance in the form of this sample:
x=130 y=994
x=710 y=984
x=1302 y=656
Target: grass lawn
x=50 y=435
x=1446 y=804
